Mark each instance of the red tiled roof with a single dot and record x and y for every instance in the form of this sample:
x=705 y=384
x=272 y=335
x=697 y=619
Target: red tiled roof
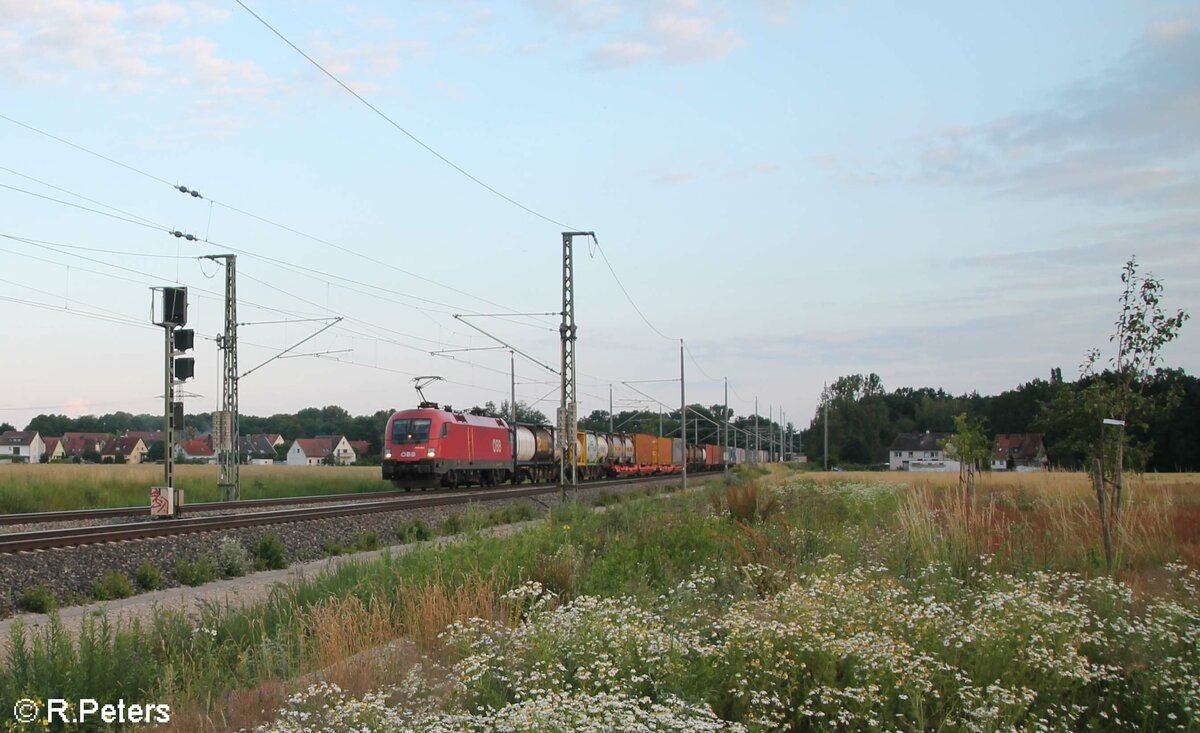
x=317 y=447
x=361 y=447
x=147 y=436
x=51 y=444
x=94 y=437
x=196 y=448
x=1021 y=446
x=123 y=446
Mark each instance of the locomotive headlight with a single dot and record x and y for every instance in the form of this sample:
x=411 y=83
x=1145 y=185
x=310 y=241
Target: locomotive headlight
x=387 y=454
x=430 y=453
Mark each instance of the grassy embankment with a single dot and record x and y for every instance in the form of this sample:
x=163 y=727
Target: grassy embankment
x=51 y=487
x=772 y=603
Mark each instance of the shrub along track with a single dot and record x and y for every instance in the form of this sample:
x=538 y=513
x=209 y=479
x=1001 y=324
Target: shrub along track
x=15 y=542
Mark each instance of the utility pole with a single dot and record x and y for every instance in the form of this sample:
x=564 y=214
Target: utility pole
x=725 y=443
x=682 y=415
x=756 y=433
x=512 y=367
x=610 y=413
x=824 y=389
x=568 y=417
x=660 y=421
x=226 y=426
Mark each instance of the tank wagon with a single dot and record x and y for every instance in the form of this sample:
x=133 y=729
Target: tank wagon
x=432 y=446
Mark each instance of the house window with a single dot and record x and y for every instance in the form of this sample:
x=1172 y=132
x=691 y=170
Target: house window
x=16 y=451
x=910 y=454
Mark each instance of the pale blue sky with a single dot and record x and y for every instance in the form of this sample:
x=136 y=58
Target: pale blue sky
x=942 y=193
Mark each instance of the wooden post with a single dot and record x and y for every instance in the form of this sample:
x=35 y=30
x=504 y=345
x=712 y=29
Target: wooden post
x=1098 y=480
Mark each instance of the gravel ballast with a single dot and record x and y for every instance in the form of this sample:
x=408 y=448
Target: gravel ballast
x=71 y=573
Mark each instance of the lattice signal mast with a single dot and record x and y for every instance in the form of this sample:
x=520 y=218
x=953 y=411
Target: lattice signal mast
x=568 y=412
x=225 y=426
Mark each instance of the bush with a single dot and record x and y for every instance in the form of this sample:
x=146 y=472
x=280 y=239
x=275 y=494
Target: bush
x=232 y=557
x=112 y=586
x=368 y=540
x=38 y=599
x=413 y=530
x=606 y=498
x=271 y=554
x=195 y=571
x=148 y=576
x=452 y=524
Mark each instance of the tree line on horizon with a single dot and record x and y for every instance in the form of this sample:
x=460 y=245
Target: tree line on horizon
x=864 y=418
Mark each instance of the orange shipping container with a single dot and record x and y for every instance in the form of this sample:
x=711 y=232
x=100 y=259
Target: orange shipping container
x=664 y=451
x=713 y=457
x=645 y=450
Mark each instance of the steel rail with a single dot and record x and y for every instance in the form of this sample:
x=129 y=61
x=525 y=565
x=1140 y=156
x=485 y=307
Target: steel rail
x=71 y=515
x=75 y=536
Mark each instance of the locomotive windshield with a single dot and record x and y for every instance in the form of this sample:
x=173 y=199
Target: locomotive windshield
x=410 y=431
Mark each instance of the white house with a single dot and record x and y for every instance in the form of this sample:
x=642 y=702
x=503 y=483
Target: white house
x=195 y=450
x=21 y=446
x=313 y=451
x=1019 y=452
x=920 y=452
x=125 y=449
x=54 y=449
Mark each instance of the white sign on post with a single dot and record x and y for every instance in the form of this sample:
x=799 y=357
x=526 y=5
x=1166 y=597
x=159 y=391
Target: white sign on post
x=162 y=501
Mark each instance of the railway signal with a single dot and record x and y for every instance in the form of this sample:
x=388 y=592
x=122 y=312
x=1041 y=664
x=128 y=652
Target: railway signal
x=171 y=316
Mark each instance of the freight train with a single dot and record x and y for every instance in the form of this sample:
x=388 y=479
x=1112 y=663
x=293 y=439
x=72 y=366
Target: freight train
x=431 y=446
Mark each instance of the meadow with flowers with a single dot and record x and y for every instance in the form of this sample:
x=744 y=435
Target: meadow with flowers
x=767 y=602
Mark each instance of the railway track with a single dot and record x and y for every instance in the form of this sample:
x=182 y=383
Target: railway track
x=73 y=515
x=75 y=536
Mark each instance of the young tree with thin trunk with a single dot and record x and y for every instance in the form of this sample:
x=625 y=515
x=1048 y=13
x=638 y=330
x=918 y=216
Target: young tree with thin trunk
x=1118 y=396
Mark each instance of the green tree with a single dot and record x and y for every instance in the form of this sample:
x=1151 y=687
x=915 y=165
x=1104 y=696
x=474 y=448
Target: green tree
x=5 y=427
x=971 y=447
x=1120 y=394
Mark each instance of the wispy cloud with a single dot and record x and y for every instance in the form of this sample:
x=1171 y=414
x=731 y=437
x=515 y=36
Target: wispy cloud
x=119 y=49
x=1127 y=136
x=756 y=169
x=623 y=33
x=673 y=32
x=671 y=177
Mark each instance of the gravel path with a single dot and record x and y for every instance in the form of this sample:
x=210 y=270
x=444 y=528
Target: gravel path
x=70 y=573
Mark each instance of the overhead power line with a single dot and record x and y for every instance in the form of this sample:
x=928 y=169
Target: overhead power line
x=621 y=285
x=397 y=125
x=196 y=194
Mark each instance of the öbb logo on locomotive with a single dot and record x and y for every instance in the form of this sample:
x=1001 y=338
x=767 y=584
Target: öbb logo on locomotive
x=432 y=446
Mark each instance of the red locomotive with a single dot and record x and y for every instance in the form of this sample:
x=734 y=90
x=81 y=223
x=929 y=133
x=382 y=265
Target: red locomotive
x=432 y=446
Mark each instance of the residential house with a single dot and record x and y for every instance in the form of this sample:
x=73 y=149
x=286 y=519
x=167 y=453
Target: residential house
x=123 y=450
x=149 y=437
x=258 y=448
x=361 y=448
x=314 y=451
x=920 y=452
x=21 y=446
x=1019 y=452
x=195 y=450
x=75 y=445
x=54 y=449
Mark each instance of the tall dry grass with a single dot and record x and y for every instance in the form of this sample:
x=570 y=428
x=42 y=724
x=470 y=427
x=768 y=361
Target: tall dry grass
x=51 y=487
x=1048 y=521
